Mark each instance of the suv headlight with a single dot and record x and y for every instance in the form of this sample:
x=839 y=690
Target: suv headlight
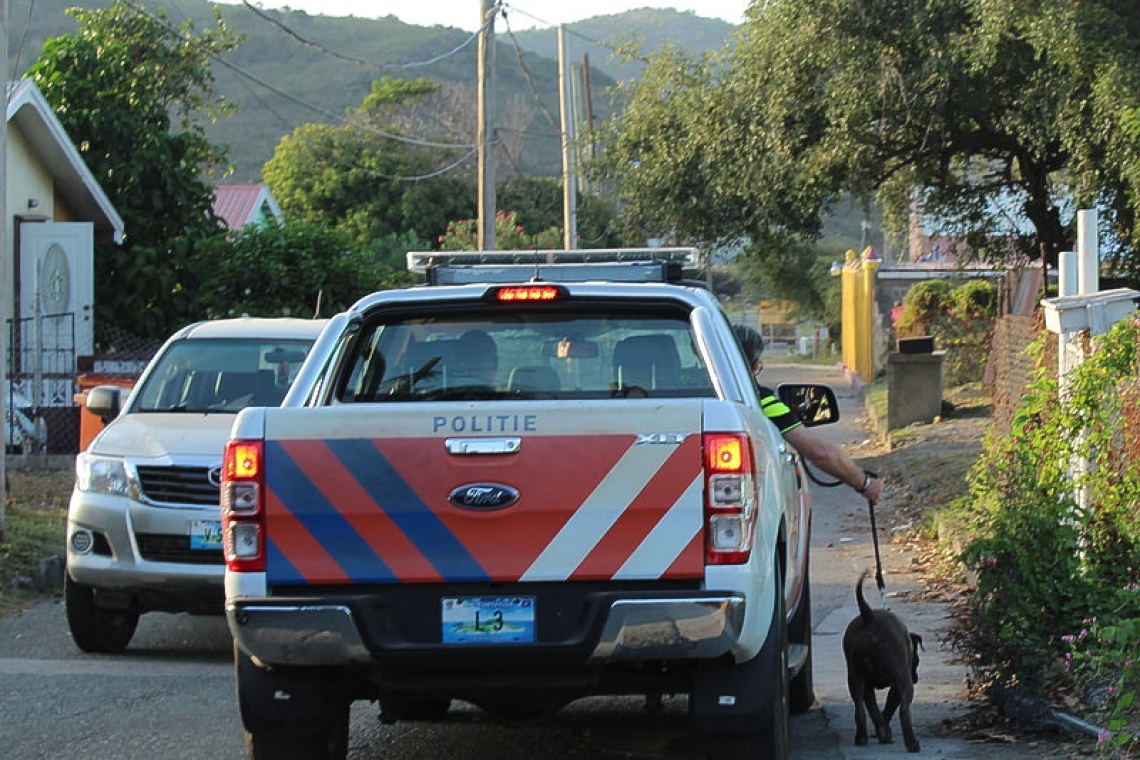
x=103 y=475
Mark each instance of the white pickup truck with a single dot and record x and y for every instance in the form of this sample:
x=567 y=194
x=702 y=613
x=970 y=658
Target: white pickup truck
x=543 y=477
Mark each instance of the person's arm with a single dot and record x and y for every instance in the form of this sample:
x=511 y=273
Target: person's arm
x=834 y=461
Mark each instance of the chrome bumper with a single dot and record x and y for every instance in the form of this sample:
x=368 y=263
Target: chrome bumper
x=650 y=629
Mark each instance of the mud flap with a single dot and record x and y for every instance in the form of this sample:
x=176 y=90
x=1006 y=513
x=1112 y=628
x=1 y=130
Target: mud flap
x=732 y=697
x=278 y=702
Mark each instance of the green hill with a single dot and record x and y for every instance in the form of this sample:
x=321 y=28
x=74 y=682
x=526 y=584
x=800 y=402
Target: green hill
x=299 y=68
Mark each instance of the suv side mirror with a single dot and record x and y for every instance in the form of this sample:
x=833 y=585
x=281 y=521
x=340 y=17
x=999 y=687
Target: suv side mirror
x=103 y=401
x=815 y=404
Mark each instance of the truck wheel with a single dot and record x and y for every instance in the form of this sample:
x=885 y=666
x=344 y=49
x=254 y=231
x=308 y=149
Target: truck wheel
x=769 y=738
x=331 y=743
x=96 y=629
x=801 y=691
x=311 y=724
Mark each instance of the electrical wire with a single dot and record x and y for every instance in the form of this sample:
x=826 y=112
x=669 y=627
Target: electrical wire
x=23 y=39
x=333 y=117
x=526 y=73
x=359 y=61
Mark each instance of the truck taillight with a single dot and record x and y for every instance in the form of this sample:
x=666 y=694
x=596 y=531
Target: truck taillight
x=730 y=498
x=242 y=494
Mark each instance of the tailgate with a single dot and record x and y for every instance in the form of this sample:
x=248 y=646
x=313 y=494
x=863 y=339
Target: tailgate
x=485 y=492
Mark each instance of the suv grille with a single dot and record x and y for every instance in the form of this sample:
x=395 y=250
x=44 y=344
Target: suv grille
x=178 y=485
x=159 y=548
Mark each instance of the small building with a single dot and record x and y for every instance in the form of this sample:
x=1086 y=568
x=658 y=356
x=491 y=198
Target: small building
x=56 y=210
x=241 y=205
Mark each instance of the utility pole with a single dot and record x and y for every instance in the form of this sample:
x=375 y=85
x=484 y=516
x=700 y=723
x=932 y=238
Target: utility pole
x=569 y=171
x=485 y=149
x=5 y=264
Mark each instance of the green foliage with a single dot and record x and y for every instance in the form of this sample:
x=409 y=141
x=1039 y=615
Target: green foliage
x=463 y=235
x=314 y=271
x=537 y=205
x=133 y=91
x=365 y=178
x=1047 y=562
x=961 y=319
x=1101 y=662
x=818 y=99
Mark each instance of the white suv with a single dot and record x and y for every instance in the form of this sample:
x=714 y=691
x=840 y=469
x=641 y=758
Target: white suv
x=143 y=526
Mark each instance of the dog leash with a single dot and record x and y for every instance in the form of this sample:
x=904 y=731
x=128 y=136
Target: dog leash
x=875 y=540
x=874 y=529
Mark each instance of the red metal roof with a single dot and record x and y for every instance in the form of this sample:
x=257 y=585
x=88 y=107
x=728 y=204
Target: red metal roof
x=240 y=205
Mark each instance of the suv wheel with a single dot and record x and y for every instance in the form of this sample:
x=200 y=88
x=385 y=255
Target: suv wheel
x=98 y=630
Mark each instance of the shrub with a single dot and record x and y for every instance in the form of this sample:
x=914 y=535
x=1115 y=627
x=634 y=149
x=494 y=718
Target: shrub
x=1053 y=503
x=961 y=319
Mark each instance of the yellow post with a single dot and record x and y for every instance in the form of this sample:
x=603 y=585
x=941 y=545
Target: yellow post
x=847 y=315
x=858 y=316
x=866 y=366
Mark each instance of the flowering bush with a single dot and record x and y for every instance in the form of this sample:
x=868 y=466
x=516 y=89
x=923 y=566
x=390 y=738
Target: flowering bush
x=1102 y=662
x=463 y=235
x=1058 y=535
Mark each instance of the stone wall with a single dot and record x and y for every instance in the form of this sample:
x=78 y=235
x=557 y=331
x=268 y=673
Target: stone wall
x=1011 y=368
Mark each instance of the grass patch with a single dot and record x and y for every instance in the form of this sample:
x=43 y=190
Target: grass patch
x=35 y=520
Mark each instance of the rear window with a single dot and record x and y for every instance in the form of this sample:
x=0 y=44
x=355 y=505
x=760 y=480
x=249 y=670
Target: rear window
x=534 y=353
x=221 y=375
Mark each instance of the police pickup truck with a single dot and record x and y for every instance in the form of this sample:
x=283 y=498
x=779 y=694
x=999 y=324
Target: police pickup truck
x=540 y=478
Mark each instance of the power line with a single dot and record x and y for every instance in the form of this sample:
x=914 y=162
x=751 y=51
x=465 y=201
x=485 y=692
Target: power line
x=359 y=61
x=526 y=73
x=571 y=32
x=336 y=118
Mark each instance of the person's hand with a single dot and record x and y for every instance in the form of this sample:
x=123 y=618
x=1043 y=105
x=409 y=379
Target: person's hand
x=874 y=490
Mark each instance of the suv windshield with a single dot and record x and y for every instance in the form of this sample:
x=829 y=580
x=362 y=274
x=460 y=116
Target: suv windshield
x=221 y=375
x=590 y=351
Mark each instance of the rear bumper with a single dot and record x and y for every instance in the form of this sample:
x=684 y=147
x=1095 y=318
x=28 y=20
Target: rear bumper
x=331 y=633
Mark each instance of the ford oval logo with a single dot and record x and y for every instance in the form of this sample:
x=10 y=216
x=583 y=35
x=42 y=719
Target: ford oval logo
x=483 y=496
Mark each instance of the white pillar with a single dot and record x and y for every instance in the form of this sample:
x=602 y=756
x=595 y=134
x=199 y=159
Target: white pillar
x=1067 y=273
x=1089 y=267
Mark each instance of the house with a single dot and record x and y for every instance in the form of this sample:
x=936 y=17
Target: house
x=56 y=210
x=241 y=205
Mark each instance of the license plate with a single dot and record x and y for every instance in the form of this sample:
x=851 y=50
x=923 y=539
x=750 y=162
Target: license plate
x=488 y=620
x=206 y=534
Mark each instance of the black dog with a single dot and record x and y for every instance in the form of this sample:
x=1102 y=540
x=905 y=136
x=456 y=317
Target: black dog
x=881 y=654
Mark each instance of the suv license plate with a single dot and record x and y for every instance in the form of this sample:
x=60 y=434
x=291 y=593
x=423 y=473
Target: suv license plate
x=488 y=620
x=206 y=534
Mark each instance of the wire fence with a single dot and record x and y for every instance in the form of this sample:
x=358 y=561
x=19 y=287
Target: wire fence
x=47 y=380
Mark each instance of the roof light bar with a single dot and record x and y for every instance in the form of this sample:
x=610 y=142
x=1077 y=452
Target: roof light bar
x=422 y=261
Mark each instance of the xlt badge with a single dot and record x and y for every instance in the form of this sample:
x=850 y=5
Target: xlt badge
x=483 y=496
x=668 y=439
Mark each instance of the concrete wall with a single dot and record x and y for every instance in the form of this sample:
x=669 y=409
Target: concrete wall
x=914 y=388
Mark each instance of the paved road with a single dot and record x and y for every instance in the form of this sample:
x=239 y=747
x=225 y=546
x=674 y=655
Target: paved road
x=171 y=695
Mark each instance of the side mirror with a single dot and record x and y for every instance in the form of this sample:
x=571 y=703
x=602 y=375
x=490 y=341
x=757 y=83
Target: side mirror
x=815 y=404
x=103 y=401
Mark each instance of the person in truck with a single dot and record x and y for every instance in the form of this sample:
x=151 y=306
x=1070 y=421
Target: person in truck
x=823 y=454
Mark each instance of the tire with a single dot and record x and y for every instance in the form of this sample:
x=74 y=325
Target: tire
x=318 y=732
x=801 y=690
x=331 y=743
x=771 y=738
x=95 y=629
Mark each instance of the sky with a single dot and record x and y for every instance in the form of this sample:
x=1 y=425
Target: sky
x=524 y=14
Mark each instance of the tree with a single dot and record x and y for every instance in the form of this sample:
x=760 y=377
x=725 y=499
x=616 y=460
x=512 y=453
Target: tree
x=372 y=176
x=314 y=269
x=132 y=91
x=537 y=205
x=981 y=115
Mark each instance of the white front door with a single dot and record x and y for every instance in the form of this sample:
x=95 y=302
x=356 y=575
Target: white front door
x=57 y=266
